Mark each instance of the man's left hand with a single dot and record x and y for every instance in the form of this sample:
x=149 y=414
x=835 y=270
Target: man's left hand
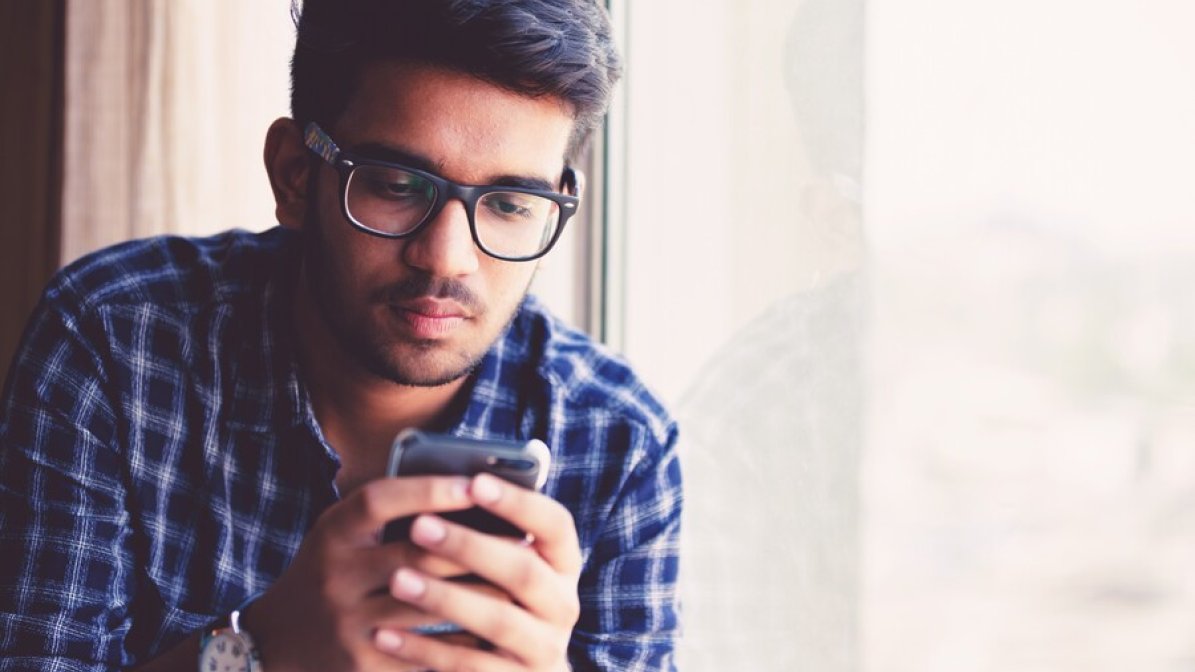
x=532 y=633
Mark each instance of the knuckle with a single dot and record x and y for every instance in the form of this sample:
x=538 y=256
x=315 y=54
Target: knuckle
x=461 y=540
x=326 y=585
x=371 y=501
x=498 y=627
x=324 y=581
x=449 y=491
x=404 y=555
x=572 y=612
x=434 y=597
x=565 y=612
x=572 y=569
x=553 y=651
x=560 y=514
x=434 y=565
x=527 y=575
x=344 y=651
x=563 y=518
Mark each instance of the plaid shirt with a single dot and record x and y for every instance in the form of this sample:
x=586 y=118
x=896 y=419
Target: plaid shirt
x=160 y=462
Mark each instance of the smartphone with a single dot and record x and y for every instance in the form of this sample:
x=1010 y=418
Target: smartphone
x=419 y=453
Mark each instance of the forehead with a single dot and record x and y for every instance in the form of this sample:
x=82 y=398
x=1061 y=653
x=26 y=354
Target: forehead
x=471 y=130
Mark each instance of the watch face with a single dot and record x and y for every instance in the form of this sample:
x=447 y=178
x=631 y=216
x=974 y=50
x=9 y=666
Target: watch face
x=226 y=652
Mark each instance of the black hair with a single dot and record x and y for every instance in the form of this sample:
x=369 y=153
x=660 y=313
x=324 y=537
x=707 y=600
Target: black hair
x=560 y=48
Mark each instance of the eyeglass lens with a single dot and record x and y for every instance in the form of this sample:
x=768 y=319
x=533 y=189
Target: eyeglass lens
x=394 y=201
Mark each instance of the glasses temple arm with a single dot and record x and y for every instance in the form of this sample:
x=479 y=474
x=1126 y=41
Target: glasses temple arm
x=318 y=141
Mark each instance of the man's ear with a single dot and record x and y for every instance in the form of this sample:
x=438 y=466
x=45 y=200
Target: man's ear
x=288 y=165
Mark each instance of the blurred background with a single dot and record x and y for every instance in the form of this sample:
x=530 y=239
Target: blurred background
x=915 y=276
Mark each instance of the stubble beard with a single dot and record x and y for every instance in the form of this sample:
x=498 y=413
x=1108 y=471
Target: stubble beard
x=370 y=347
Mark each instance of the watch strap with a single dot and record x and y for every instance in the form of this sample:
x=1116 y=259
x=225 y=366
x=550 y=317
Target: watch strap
x=231 y=623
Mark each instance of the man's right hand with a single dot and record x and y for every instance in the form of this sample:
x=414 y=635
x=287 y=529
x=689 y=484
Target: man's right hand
x=322 y=613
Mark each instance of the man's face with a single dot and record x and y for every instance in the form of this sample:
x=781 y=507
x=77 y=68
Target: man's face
x=422 y=311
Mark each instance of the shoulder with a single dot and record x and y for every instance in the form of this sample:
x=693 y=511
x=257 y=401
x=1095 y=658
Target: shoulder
x=171 y=271
x=587 y=378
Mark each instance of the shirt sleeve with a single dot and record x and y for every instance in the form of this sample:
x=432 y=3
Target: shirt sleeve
x=629 y=600
x=64 y=547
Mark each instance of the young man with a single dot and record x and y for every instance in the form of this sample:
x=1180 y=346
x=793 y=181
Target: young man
x=194 y=431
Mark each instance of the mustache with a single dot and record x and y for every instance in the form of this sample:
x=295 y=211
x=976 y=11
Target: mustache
x=427 y=286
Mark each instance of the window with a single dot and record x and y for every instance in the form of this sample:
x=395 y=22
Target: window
x=915 y=277
x=743 y=298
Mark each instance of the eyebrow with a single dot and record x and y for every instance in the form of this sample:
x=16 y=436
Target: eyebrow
x=379 y=152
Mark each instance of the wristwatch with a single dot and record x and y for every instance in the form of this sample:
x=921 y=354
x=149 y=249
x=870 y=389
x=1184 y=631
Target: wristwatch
x=225 y=647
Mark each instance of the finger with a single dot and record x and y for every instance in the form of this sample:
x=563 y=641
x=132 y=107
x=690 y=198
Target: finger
x=380 y=562
x=350 y=575
x=369 y=569
x=483 y=588
x=444 y=656
x=505 y=625
x=509 y=565
x=550 y=525
x=462 y=639
x=358 y=517
x=383 y=610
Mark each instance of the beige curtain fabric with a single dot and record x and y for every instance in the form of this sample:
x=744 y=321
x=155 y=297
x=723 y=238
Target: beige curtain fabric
x=110 y=126
x=167 y=104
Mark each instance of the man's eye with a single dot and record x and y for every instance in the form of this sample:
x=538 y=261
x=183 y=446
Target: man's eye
x=389 y=184
x=511 y=206
x=398 y=189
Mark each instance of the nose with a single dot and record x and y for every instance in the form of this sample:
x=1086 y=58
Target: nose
x=444 y=247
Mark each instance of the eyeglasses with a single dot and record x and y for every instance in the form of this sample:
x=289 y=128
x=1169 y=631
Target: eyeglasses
x=391 y=200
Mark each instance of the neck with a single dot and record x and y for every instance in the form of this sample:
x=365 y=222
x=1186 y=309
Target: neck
x=359 y=412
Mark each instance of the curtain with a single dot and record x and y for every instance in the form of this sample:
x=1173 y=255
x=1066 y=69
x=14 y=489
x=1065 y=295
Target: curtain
x=167 y=104
x=31 y=35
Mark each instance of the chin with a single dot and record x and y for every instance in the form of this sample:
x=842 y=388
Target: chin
x=420 y=365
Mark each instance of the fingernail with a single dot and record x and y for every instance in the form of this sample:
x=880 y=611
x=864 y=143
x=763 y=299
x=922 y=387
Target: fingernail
x=428 y=530
x=387 y=640
x=485 y=489
x=408 y=584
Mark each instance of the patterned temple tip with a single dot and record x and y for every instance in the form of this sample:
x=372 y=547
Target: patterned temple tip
x=320 y=143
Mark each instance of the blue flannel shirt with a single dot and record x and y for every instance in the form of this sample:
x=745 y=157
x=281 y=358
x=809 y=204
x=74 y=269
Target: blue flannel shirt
x=160 y=462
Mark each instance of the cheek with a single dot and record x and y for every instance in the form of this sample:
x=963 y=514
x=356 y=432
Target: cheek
x=508 y=283
x=358 y=260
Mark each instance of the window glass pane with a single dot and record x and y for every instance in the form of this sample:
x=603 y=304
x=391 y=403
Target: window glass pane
x=928 y=331
x=1029 y=466
x=743 y=308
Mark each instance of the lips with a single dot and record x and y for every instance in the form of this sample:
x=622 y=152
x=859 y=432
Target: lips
x=429 y=318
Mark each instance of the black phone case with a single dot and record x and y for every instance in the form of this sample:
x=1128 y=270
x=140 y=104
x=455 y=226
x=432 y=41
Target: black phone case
x=417 y=453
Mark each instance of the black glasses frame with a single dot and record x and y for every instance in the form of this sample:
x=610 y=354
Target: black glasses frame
x=346 y=162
